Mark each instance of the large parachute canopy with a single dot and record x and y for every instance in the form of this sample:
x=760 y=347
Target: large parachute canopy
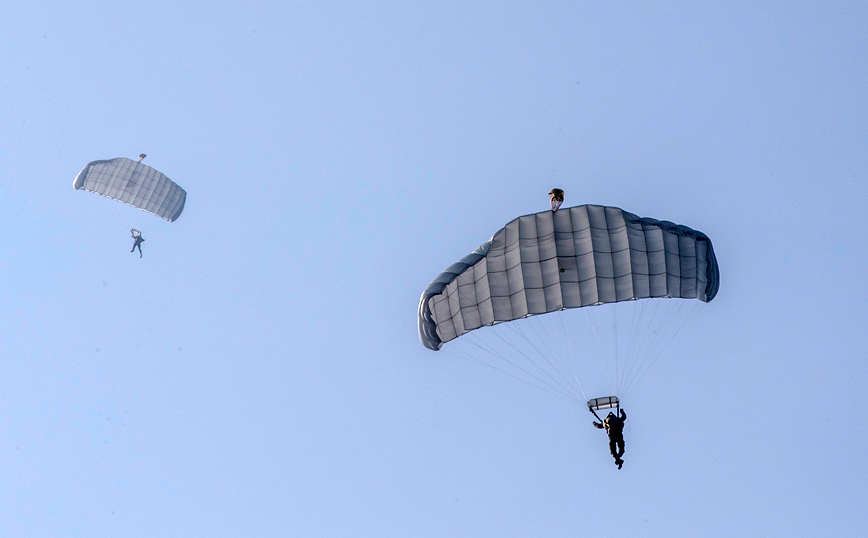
x=551 y=261
x=583 y=256
x=135 y=184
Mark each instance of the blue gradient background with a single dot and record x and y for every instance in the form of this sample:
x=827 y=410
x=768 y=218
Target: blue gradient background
x=258 y=372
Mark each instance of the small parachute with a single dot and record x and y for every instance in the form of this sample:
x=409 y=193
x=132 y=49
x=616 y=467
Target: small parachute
x=134 y=184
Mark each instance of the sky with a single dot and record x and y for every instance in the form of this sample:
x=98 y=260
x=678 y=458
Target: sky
x=258 y=371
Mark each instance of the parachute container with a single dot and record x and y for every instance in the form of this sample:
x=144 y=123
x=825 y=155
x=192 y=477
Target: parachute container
x=134 y=184
x=607 y=402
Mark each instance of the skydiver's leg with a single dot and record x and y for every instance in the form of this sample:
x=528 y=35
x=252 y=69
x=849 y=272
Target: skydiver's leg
x=616 y=448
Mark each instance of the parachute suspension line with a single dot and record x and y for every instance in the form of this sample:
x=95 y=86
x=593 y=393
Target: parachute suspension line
x=652 y=327
x=563 y=384
x=694 y=310
x=635 y=324
x=492 y=351
x=536 y=323
x=615 y=325
x=592 y=321
x=568 y=359
x=571 y=353
x=668 y=316
x=642 y=350
x=118 y=207
x=692 y=313
x=628 y=332
x=549 y=355
x=553 y=383
x=469 y=357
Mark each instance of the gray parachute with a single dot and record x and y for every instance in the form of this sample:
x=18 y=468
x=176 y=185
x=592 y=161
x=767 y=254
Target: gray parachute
x=549 y=261
x=135 y=184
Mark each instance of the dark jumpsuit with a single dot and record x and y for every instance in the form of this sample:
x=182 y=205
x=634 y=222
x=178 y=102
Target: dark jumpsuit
x=615 y=429
x=138 y=243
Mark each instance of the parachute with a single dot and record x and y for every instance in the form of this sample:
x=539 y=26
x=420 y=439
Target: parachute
x=542 y=263
x=134 y=184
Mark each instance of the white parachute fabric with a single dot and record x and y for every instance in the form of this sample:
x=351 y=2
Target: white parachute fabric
x=549 y=261
x=135 y=184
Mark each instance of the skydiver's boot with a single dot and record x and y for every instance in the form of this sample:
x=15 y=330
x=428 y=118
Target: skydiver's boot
x=619 y=462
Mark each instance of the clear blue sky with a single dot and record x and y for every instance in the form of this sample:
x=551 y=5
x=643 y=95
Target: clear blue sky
x=258 y=371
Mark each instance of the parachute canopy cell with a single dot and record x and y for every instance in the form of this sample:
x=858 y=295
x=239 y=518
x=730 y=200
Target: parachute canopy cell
x=582 y=256
x=135 y=184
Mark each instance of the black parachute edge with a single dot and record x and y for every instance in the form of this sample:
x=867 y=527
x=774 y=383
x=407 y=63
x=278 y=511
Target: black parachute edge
x=428 y=329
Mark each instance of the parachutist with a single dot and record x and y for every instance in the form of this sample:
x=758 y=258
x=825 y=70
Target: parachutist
x=614 y=426
x=137 y=241
x=557 y=198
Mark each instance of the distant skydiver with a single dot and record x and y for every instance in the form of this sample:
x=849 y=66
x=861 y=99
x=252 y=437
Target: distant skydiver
x=137 y=241
x=615 y=429
x=557 y=198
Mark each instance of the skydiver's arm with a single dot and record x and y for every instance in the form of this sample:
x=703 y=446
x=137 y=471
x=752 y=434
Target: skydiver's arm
x=623 y=415
x=597 y=425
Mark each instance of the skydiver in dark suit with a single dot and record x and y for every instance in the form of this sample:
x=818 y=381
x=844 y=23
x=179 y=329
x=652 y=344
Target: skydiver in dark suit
x=614 y=426
x=137 y=241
